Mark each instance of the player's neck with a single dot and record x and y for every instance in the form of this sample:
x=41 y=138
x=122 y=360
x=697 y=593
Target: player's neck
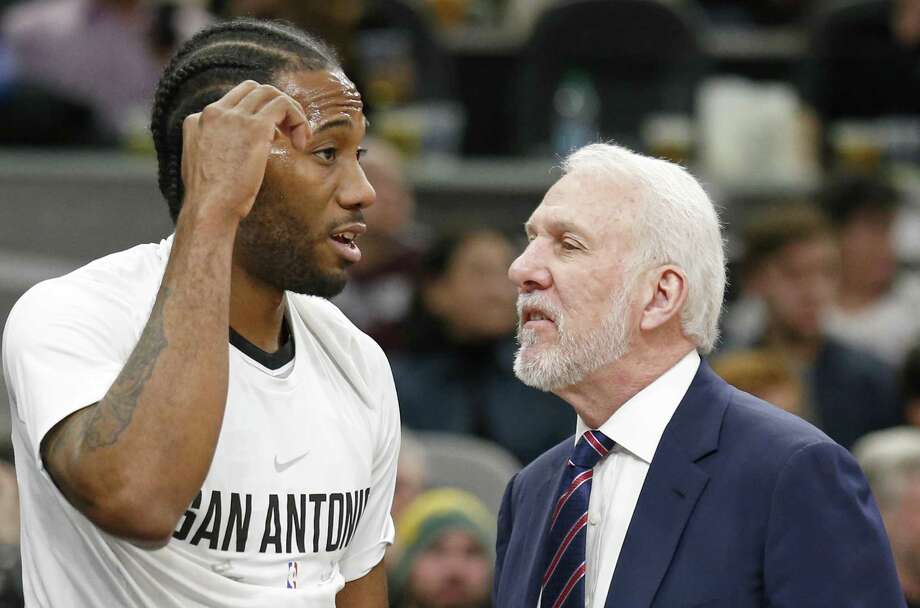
x=256 y=310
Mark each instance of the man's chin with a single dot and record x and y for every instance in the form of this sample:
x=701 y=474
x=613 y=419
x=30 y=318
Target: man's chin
x=326 y=286
x=534 y=370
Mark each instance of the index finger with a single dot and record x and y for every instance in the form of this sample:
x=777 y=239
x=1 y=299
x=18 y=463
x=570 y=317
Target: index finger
x=290 y=118
x=189 y=125
x=237 y=93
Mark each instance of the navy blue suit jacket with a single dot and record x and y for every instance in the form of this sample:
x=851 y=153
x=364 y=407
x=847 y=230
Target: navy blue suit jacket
x=744 y=505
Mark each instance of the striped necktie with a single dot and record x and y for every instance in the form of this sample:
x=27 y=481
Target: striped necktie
x=563 y=581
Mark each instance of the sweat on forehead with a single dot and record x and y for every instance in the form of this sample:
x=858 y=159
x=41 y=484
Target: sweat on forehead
x=325 y=96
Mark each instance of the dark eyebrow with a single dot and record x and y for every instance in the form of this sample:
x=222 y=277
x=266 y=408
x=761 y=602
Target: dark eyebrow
x=332 y=124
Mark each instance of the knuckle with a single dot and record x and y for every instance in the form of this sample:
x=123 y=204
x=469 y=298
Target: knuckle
x=291 y=105
x=270 y=107
x=189 y=123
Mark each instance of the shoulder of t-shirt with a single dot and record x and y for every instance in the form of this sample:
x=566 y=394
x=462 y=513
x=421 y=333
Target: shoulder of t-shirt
x=369 y=359
x=342 y=324
x=122 y=284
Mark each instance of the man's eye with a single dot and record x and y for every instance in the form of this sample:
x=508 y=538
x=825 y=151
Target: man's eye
x=327 y=154
x=569 y=246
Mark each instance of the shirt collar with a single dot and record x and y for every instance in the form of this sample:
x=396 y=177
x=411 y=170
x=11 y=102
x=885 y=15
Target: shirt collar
x=638 y=424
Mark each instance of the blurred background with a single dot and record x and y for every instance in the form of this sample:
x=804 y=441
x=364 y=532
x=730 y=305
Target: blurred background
x=800 y=117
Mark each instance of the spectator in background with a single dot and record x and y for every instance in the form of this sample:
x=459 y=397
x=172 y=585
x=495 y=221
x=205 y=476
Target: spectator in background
x=10 y=564
x=379 y=294
x=106 y=55
x=891 y=461
x=910 y=386
x=742 y=322
x=763 y=374
x=456 y=374
x=411 y=473
x=847 y=392
x=443 y=554
x=877 y=309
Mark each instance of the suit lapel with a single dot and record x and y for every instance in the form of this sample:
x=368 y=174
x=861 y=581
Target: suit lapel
x=665 y=504
x=672 y=488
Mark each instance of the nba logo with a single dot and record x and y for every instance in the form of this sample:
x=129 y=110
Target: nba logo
x=292 y=575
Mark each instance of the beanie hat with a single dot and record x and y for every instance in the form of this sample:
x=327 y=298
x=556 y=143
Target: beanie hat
x=431 y=515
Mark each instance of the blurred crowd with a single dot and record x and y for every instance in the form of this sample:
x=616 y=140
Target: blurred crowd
x=512 y=77
x=823 y=317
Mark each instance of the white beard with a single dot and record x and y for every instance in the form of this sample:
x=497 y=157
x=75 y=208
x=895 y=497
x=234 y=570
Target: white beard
x=575 y=354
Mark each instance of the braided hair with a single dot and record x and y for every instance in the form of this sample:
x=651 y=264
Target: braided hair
x=210 y=64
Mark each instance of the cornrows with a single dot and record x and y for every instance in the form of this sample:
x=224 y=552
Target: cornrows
x=210 y=64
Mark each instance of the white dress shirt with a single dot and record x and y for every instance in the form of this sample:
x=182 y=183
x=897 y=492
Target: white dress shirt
x=636 y=428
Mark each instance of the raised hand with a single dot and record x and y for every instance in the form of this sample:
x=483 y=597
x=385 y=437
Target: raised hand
x=226 y=146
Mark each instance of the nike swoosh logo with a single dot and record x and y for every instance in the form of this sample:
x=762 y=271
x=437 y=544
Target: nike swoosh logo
x=280 y=467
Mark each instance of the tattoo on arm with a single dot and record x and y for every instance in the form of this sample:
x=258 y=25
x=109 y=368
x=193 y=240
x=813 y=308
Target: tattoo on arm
x=112 y=415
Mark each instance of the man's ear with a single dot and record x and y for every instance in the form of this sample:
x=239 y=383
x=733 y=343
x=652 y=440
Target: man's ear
x=669 y=293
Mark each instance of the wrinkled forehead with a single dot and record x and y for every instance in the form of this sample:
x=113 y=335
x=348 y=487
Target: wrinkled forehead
x=324 y=95
x=596 y=205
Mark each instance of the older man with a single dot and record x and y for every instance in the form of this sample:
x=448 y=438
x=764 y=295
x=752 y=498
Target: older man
x=677 y=489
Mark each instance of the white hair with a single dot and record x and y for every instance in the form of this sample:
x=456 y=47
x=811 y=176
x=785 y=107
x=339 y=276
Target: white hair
x=678 y=224
x=888 y=457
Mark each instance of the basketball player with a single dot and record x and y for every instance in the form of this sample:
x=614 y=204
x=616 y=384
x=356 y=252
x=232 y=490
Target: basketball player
x=160 y=465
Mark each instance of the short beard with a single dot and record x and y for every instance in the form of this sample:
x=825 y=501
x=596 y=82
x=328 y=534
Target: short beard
x=274 y=252
x=575 y=355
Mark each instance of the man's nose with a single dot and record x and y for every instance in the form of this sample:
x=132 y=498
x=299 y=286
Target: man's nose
x=356 y=191
x=528 y=271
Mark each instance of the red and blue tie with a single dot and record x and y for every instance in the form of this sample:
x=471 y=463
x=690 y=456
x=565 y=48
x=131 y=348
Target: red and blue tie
x=564 y=578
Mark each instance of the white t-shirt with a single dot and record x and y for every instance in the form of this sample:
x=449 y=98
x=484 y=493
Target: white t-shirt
x=297 y=499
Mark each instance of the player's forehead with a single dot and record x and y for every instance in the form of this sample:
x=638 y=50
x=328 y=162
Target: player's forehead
x=325 y=95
